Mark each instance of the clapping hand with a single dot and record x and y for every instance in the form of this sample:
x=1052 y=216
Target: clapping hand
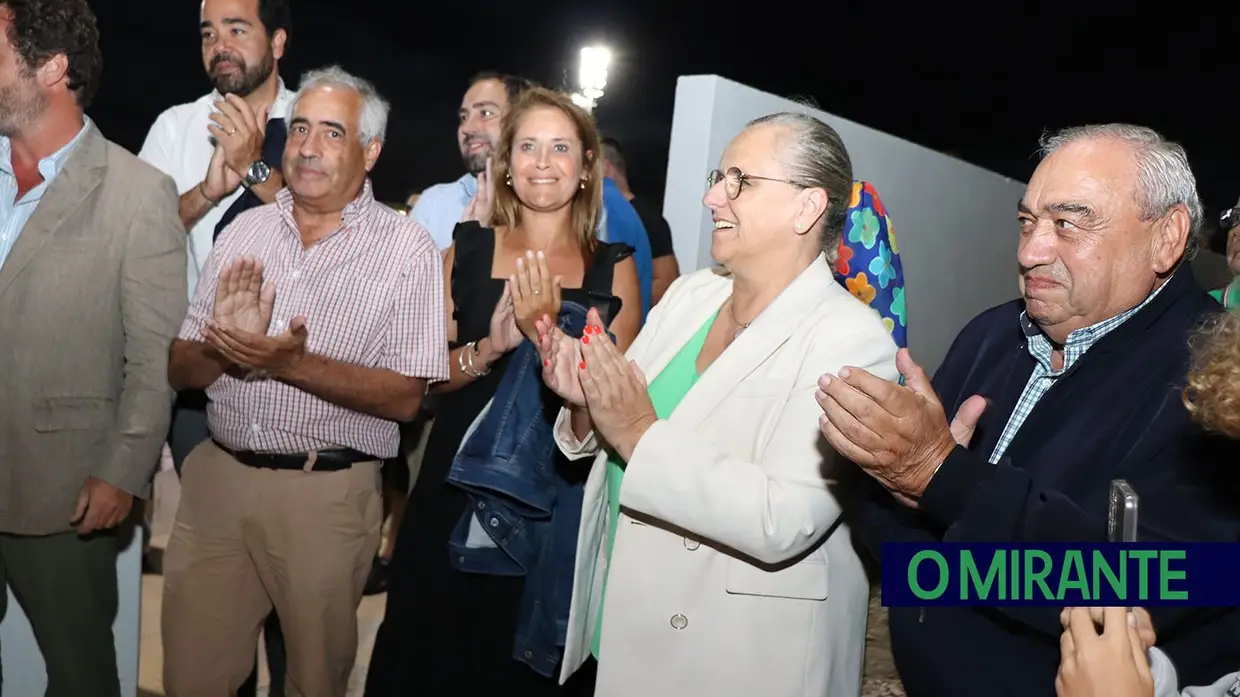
x=482 y=204
x=1101 y=664
x=535 y=293
x=561 y=354
x=239 y=131
x=505 y=335
x=616 y=392
x=266 y=355
x=221 y=180
x=898 y=434
x=241 y=301
x=240 y=320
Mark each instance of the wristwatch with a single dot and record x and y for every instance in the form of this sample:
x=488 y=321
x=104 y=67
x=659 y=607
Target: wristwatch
x=258 y=173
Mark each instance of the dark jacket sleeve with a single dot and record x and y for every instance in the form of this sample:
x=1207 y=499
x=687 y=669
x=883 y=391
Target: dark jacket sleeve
x=978 y=502
x=879 y=517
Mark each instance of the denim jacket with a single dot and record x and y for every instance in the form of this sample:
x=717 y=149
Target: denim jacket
x=507 y=465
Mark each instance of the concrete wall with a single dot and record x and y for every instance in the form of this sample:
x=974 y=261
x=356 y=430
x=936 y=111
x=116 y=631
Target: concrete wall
x=955 y=222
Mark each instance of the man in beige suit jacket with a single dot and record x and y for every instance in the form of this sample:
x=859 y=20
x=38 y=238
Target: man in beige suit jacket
x=92 y=290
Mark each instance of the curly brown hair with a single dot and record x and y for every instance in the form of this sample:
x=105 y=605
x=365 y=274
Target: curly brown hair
x=1213 y=391
x=42 y=29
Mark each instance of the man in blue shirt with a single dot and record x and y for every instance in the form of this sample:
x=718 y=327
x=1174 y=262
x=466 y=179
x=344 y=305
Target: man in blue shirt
x=664 y=269
x=481 y=116
x=621 y=223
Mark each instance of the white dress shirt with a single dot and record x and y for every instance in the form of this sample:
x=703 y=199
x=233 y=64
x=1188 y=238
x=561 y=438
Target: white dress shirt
x=179 y=145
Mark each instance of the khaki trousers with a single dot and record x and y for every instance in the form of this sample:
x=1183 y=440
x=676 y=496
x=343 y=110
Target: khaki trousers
x=246 y=540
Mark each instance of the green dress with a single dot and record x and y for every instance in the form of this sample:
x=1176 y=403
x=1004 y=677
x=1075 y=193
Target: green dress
x=666 y=391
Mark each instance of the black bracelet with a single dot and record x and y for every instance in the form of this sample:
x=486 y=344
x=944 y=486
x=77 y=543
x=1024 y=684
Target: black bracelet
x=212 y=201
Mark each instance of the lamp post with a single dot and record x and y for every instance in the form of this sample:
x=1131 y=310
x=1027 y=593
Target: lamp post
x=592 y=76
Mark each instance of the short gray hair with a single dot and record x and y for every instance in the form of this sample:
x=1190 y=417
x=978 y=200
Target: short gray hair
x=372 y=122
x=1164 y=178
x=815 y=158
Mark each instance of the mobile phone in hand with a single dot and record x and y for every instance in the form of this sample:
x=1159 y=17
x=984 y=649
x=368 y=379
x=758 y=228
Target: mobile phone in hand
x=1122 y=518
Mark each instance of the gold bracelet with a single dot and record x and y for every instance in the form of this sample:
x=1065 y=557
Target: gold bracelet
x=465 y=360
x=477 y=352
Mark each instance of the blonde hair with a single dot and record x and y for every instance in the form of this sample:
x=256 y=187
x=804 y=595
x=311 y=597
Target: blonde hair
x=1213 y=392
x=588 y=201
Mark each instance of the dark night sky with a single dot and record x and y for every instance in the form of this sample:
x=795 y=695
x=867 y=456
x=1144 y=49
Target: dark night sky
x=981 y=86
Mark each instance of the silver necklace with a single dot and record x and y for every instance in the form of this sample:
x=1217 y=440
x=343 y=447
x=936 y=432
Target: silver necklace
x=741 y=326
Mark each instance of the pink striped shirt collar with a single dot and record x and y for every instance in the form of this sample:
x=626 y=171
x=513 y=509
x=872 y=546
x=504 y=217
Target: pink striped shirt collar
x=354 y=211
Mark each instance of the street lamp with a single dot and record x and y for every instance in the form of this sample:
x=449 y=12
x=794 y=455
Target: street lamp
x=592 y=76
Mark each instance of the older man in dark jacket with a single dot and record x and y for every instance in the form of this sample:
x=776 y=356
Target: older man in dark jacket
x=1053 y=396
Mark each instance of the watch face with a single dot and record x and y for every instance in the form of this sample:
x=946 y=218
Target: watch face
x=259 y=172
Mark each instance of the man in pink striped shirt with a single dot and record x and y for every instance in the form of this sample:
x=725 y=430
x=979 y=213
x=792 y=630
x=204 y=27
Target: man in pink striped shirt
x=316 y=327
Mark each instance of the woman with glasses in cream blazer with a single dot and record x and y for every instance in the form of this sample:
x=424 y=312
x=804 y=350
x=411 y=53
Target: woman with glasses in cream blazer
x=712 y=559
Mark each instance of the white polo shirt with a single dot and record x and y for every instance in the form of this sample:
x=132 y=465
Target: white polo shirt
x=179 y=145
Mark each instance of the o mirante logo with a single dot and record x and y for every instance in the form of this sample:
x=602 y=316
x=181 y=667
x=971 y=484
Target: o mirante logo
x=1119 y=574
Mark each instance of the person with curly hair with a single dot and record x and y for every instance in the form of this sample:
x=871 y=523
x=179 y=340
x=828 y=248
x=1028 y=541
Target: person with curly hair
x=1096 y=663
x=1213 y=392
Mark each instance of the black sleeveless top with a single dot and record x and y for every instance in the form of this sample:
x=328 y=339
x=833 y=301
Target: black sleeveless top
x=473 y=286
x=446 y=631
x=474 y=295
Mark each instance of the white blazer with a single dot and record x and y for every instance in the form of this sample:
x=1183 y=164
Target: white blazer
x=721 y=582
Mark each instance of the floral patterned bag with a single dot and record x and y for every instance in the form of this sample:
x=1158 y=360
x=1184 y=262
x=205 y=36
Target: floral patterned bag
x=868 y=263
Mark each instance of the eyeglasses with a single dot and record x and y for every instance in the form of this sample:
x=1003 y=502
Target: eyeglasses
x=734 y=180
x=1229 y=219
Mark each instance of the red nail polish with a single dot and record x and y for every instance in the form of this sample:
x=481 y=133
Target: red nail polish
x=546 y=363
x=542 y=338
x=581 y=365
x=585 y=339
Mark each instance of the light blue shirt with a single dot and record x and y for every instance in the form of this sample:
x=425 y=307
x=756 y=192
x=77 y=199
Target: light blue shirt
x=13 y=213
x=440 y=208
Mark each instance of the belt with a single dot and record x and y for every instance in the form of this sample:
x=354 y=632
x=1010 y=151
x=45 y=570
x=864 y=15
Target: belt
x=321 y=461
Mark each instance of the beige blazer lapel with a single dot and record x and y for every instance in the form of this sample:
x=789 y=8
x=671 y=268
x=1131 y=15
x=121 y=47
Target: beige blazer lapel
x=693 y=310
x=82 y=174
x=764 y=336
